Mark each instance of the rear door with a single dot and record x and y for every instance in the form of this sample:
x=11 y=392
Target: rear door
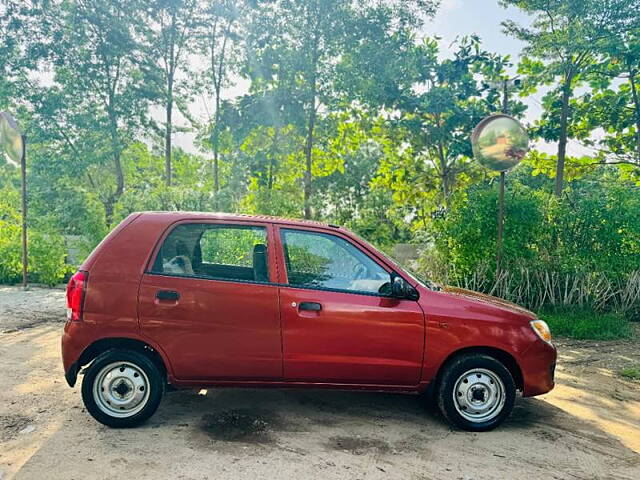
x=210 y=301
x=336 y=327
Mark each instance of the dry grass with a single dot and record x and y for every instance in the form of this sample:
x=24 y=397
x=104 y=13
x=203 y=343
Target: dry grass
x=540 y=290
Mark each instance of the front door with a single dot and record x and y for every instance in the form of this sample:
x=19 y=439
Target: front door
x=336 y=327
x=209 y=301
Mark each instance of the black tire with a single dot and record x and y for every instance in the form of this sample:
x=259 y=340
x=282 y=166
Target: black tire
x=492 y=377
x=134 y=364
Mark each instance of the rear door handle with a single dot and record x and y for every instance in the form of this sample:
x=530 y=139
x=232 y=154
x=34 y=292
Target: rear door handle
x=311 y=306
x=167 y=295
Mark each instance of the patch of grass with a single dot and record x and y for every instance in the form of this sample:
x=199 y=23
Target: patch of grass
x=587 y=325
x=632 y=373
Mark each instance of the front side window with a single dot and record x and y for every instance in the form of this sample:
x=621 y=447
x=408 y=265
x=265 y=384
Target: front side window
x=319 y=260
x=227 y=252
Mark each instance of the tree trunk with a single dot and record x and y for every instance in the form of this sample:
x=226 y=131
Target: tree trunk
x=308 y=149
x=117 y=163
x=168 y=131
x=108 y=211
x=216 y=142
x=636 y=107
x=308 y=158
x=171 y=70
x=272 y=157
x=119 y=176
x=444 y=177
x=217 y=76
x=562 y=141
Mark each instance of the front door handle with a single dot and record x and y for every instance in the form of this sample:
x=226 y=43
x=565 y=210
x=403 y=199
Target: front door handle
x=167 y=295
x=310 y=306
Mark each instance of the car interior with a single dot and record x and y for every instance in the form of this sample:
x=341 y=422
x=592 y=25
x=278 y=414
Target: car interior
x=181 y=254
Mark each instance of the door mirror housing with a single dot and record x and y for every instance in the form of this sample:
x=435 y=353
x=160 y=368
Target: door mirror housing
x=398 y=287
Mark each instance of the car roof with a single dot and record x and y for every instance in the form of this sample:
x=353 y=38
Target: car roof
x=174 y=216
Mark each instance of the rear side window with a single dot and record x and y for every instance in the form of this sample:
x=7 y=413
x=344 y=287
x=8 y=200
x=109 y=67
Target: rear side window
x=224 y=252
x=319 y=260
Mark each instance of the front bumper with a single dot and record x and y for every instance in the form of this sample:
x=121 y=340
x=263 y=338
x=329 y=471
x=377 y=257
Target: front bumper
x=538 y=364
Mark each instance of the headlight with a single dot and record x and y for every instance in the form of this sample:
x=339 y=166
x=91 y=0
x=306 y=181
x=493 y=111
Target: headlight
x=542 y=330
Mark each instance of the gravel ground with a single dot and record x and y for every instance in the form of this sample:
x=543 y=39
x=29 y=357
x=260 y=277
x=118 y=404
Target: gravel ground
x=588 y=427
x=21 y=309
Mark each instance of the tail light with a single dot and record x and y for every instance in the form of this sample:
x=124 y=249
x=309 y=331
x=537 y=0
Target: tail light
x=75 y=295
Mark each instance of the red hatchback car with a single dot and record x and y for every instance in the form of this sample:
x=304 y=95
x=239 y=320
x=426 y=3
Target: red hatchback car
x=196 y=300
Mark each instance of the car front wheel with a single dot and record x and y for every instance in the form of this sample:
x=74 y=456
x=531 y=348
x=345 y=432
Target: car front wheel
x=122 y=388
x=476 y=392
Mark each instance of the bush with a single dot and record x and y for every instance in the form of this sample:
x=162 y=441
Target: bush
x=587 y=325
x=47 y=253
x=465 y=237
x=594 y=228
x=46 y=257
x=46 y=248
x=582 y=251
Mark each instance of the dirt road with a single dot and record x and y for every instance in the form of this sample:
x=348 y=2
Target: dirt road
x=588 y=427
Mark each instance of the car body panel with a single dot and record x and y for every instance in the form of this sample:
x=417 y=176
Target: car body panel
x=457 y=322
x=354 y=338
x=212 y=331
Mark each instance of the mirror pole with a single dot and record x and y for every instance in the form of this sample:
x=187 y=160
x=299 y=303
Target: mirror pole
x=500 y=225
x=505 y=110
x=23 y=168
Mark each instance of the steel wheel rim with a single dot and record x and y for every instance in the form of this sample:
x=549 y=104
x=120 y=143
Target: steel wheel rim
x=479 y=395
x=121 y=389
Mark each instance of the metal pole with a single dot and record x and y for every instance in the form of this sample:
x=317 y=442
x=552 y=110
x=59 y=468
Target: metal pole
x=505 y=108
x=505 y=98
x=500 y=224
x=23 y=167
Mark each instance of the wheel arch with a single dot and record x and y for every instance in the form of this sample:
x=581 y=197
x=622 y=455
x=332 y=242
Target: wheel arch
x=105 y=344
x=502 y=356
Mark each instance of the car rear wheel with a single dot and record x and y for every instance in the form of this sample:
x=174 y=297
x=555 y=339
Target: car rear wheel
x=122 y=388
x=476 y=392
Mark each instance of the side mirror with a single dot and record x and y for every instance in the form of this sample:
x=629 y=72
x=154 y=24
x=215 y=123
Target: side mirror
x=397 y=287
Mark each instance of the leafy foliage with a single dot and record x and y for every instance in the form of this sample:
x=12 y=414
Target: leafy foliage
x=351 y=114
x=46 y=255
x=584 y=251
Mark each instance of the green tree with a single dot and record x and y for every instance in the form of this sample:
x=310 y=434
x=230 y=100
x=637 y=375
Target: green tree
x=562 y=44
x=431 y=136
x=169 y=30
x=613 y=102
x=16 y=29
x=220 y=38
x=296 y=49
x=98 y=101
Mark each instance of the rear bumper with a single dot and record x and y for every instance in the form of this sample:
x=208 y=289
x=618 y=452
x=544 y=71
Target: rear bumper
x=538 y=364
x=74 y=341
x=71 y=375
